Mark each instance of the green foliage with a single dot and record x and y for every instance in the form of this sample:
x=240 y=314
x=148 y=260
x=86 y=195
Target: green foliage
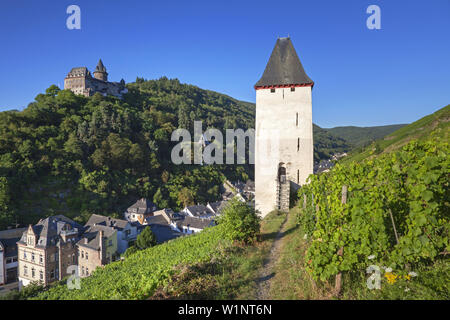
x=241 y=223
x=28 y=291
x=146 y=239
x=66 y=153
x=413 y=184
x=131 y=250
x=137 y=276
x=359 y=136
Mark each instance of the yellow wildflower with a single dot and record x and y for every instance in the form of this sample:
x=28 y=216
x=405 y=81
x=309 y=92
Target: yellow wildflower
x=391 y=278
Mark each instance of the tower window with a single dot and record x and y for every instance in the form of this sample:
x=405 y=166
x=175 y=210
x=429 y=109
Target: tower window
x=292 y=88
x=298 y=144
x=272 y=90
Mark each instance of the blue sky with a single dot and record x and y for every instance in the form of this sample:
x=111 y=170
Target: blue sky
x=363 y=77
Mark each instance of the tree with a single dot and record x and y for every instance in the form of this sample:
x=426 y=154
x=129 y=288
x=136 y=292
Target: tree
x=146 y=239
x=241 y=223
x=185 y=197
x=52 y=90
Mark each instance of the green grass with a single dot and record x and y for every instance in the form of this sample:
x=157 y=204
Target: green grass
x=233 y=275
x=431 y=283
x=291 y=281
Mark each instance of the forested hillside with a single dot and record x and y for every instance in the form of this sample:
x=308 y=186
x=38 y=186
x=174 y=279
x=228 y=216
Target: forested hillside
x=75 y=155
x=360 y=136
x=326 y=144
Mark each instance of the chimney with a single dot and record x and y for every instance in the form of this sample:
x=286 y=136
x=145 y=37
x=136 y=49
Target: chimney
x=101 y=246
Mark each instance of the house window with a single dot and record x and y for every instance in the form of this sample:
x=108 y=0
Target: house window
x=292 y=89
x=73 y=258
x=41 y=260
x=87 y=271
x=82 y=254
x=87 y=256
x=298 y=144
x=32 y=256
x=52 y=274
x=272 y=90
x=25 y=270
x=33 y=273
x=24 y=255
x=41 y=275
x=296 y=119
x=298 y=176
x=82 y=271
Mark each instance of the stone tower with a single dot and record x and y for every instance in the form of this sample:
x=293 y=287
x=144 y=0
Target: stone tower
x=100 y=71
x=284 y=131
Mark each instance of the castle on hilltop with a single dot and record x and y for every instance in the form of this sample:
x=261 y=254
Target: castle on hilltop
x=80 y=81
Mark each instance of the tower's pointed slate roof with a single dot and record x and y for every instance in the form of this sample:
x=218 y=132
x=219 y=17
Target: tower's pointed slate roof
x=100 y=67
x=284 y=67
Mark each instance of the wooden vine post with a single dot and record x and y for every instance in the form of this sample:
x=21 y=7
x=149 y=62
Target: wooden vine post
x=338 y=283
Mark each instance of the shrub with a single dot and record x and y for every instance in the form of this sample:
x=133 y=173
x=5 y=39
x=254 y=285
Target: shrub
x=240 y=222
x=146 y=239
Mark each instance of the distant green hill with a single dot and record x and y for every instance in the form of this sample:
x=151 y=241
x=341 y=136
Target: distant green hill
x=437 y=122
x=326 y=144
x=359 y=136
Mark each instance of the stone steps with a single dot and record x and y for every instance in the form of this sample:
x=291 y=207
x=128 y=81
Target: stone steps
x=282 y=195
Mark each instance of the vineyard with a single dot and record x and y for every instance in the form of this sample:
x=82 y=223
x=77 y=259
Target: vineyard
x=391 y=211
x=139 y=275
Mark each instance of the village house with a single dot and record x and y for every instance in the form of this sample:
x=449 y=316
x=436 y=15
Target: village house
x=191 y=225
x=161 y=227
x=96 y=248
x=216 y=207
x=47 y=250
x=127 y=232
x=198 y=211
x=8 y=254
x=140 y=210
x=249 y=189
